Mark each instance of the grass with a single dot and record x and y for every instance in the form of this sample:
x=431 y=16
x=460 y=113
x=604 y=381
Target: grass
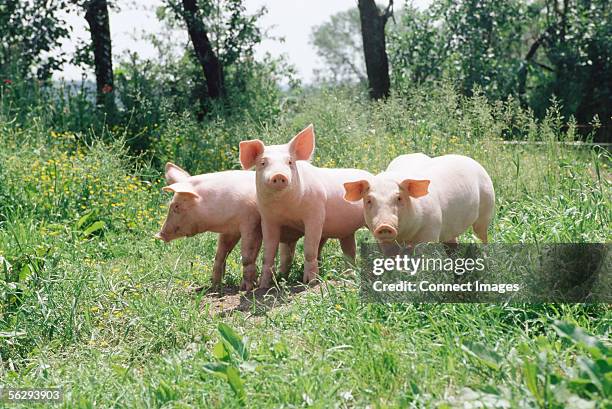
x=90 y=302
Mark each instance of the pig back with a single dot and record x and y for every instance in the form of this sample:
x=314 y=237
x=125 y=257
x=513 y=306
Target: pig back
x=229 y=197
x=458 y=184
x=342 y=217
x=409 y=162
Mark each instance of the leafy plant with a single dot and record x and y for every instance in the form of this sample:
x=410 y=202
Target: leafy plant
x=587 y=384
x=28 y=31
x=232 y=355
x=87 y=227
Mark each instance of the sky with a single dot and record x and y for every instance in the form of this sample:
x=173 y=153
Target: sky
x=292 y=20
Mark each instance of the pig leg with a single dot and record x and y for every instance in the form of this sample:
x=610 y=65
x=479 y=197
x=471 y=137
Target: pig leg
x=390 y=249
x=485 y=215
x=481 y=231
x=225 y=244
x=451 y=246
x=251 y=243
x=271 y=239
x=482 y=225
x=312 y=238
x=452 y=243
x=287 y=251
x=348 y=247
x=321 y=244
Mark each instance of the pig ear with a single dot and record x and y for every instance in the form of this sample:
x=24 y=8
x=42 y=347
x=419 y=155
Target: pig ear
x=175 y=174
x=249 y=151
x=415 y=188
x=355 y=191
x=183 y=189
x=302 y=145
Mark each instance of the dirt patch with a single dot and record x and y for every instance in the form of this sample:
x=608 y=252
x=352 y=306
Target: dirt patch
x=228 y=299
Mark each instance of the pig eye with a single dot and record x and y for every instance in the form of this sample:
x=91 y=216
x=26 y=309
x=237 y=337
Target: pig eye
x=263 y=162
x=399 y=199
x=290 y=162
x=369 y=201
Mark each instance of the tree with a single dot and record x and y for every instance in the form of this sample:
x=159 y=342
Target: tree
x=96 y=14
x=373 y=21
x=417 y=48
x=571 y=59
x=535 y=51
x=31 y=31
x=475 y=43
x=222 y=34
x=339 y=43
x=212 y=68
x=485 y=41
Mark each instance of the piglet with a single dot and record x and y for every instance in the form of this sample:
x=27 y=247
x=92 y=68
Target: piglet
x=222 y=202
x=293 y=193
x=419 y=199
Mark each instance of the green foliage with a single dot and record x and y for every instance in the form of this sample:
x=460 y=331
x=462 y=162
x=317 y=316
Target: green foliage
x=157 y=91
x=537 y=52
x=29 y=31
x=542 y=385
x=234 y=32
x=150 y=92
x=228 y=367
x=416 y=48
x=82 y=301
x=62 y=107
x=577 y=45
x=474 y=43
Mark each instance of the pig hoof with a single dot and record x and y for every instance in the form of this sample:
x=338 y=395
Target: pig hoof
x=265 y=281
x=311 y=283
x=264 y=284
x=246 y=286
x=310 y=278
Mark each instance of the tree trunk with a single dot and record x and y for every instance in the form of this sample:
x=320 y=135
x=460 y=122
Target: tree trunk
x=373 y=23
x=213 y=70
x=97 y=17
x=529 y=59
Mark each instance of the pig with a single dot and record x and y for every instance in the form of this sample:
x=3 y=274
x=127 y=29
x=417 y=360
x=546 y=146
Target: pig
x=224 y=203
x=293 y=193
x=420 y=200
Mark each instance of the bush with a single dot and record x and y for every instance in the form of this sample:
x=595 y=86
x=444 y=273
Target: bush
x=528 y=51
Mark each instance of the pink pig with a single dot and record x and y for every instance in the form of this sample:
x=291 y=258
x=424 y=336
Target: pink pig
x=224 y=203
x=419 y=200
x=293 y=193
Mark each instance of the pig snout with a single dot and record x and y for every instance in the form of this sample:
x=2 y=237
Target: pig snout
x=169 y=233
x=160 y=236
x=385 y=232
x=278 y=181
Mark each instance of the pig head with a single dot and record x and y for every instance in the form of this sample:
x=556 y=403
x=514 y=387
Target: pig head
x=181 y=219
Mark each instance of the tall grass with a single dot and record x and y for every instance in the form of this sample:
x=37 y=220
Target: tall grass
x=91 y=303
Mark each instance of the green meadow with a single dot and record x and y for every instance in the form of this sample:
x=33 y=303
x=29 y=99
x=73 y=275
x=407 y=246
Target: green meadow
x=92 y=304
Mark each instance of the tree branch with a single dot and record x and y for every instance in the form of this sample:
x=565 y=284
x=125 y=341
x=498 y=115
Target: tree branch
x=544 y=66
x=522 y=73
x=388 y=11
x=534 y=48
x=353 y=68
x=538 y=42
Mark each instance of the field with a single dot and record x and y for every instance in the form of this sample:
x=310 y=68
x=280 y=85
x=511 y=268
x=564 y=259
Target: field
x=91 y=303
